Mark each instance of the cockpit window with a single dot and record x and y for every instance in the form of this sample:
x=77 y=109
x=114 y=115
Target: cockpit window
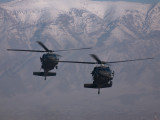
x=103 y=69
x=108 y=69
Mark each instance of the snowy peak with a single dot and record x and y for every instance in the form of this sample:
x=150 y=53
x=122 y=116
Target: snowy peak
x=153 y=19
x=35 y=10
x=53 y=8
x=84 y=15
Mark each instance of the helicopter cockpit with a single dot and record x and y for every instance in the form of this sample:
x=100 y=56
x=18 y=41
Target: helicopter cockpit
x=101 y=68
x=102 y=71
x=49 y=56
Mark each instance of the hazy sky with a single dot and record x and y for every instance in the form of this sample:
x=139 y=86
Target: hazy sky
x=143 y=1
x=5 y=0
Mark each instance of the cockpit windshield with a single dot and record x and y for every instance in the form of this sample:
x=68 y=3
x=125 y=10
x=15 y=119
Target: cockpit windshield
x=108 y=69
x=49 y=56
x=104 y=69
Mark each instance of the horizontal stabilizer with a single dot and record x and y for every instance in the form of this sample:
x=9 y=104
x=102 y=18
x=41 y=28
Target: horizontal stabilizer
x=97 y=85
x=43 y=74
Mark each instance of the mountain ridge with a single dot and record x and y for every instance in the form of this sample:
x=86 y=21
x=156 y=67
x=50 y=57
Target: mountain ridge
x=78 y=28
x=131 y=33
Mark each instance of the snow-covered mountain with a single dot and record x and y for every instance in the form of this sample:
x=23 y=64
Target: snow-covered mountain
x=116 y=30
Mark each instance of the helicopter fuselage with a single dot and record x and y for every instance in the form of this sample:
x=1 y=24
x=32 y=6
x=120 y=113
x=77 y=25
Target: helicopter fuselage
x=102 y=78
x=49 y=61
x=102 y=75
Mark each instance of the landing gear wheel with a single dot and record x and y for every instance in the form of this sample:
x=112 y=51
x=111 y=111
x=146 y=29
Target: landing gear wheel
x=98 y=90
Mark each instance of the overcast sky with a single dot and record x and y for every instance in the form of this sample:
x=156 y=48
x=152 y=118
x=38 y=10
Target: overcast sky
x=143 y=1
x=5 y=0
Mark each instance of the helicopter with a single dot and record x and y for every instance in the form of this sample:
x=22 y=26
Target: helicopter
x=49 y=60
x=102 y=75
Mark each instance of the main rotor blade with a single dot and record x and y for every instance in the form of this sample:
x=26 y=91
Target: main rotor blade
x=72 y=49
x=44 y=47
x=96 y=58
x=25 y=50
x=47 y=50
x=129 y=60
x=104 y=62
x=77 y=62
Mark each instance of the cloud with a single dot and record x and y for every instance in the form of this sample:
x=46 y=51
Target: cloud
x=139 y=1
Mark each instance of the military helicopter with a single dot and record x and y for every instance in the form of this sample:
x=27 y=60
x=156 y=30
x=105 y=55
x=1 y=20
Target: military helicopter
x=102 y=75
x=49 y=60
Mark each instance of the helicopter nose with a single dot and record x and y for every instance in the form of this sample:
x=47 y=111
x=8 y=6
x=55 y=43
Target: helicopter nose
x=104 y=73
x=51 y=58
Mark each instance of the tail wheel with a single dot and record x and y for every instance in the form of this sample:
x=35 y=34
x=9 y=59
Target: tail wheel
x=98 y=90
